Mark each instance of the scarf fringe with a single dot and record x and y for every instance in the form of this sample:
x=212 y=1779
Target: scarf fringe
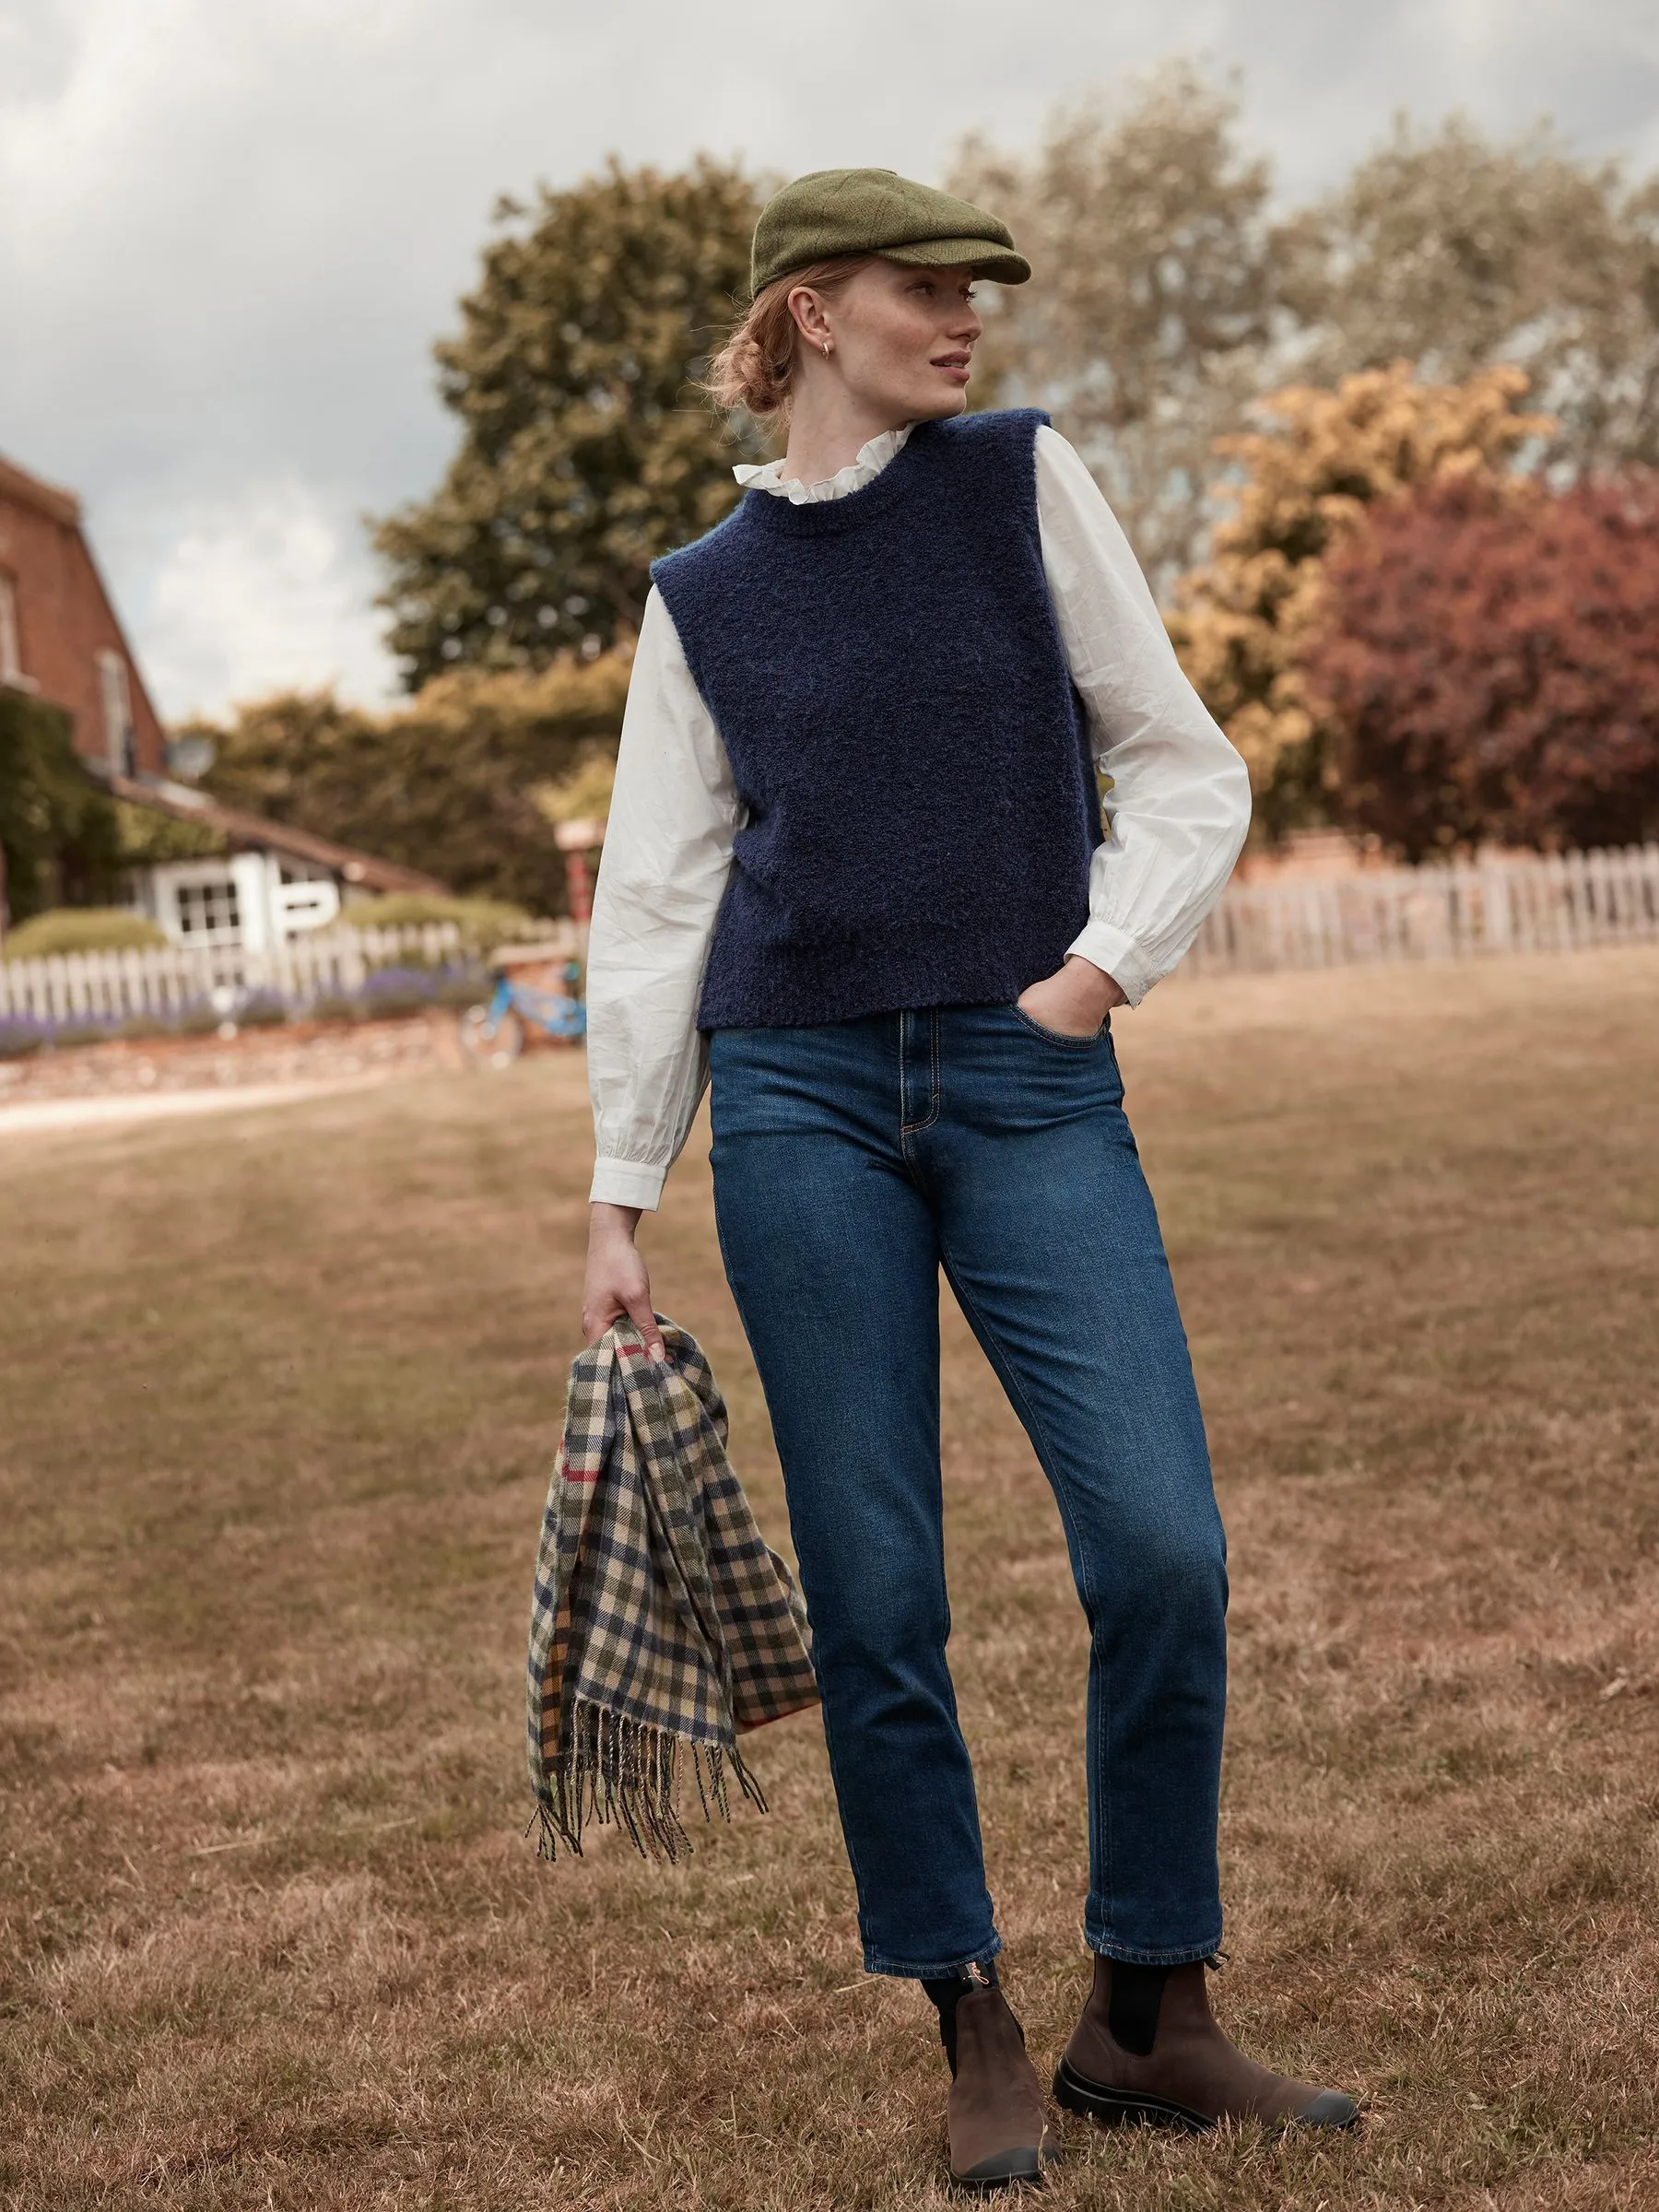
x=627 y=1773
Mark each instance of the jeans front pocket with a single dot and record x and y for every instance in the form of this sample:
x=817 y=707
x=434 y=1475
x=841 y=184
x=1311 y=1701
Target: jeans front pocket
x=1078 y=1044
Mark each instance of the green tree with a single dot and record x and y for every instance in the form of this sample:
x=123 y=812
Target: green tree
x=59 y=839
x=445 y=782
x=1454 y=254
x=585 y=449
x=1146 y=324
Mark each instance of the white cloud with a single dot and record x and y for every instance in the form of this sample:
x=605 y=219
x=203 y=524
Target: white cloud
x=228 y=234
x=264 y=593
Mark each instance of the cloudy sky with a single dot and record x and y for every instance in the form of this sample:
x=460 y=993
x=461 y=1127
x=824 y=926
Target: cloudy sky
x=229 y=233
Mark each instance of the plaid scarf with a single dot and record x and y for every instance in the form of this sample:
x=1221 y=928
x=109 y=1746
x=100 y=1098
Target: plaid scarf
x=663 y=1625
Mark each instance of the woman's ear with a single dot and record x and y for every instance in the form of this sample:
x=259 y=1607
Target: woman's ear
x=810 y=319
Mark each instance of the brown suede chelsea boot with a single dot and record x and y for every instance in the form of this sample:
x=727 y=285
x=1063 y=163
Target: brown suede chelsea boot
x=1147 y=2047
x=999 y=2135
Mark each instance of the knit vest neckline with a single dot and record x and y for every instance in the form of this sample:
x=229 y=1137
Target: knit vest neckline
x=815 y=518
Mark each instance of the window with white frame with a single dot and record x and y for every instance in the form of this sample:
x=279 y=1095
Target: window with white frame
x=197 y=901
x=11 y=655
x=206 y=909
x=117 y=710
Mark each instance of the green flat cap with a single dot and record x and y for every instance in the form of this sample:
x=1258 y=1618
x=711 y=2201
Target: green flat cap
x=877 y=211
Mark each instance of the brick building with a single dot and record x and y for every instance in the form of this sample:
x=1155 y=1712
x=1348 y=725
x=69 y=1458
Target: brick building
x=58 y=634
x=252 y=882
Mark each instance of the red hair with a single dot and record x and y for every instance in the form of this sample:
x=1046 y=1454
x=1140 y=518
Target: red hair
x=755 y=367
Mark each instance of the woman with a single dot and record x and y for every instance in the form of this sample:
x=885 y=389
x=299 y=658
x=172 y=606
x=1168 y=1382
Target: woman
x=856 y=880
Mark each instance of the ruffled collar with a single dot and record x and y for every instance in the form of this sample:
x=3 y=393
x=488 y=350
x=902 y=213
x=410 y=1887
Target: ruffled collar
x=871 y=458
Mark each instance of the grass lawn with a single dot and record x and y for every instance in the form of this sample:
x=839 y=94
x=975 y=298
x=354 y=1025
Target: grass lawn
x=281 y=1393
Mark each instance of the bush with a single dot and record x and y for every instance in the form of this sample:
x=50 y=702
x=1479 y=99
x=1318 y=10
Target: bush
x=81 y=929
x=443 y=783
x=58 y=838
x=1493 y=668
x=21 y=1034
x=484 y=922
x=462 y=987
x=390 y=992
x=82 y=1032
x=386 y=994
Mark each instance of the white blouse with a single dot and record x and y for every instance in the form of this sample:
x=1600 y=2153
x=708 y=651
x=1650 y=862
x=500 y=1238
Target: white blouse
x=1178 y=812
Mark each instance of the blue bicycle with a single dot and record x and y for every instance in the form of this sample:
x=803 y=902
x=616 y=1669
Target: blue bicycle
x=493 y=1035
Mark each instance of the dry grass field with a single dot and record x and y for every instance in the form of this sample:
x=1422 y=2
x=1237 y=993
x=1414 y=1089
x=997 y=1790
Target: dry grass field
x=281 y=1391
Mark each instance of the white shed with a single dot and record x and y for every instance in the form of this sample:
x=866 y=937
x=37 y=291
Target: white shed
x=273 y=881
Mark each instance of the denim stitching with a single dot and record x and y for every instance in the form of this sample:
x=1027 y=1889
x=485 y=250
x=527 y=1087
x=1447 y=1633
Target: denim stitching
x=877 y=1962
x=932 y=1116
x=1059 y=1036
x=1184 y=1955
x=1081 y=1550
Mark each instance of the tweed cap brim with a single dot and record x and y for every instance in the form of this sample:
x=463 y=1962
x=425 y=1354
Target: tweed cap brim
x=997 y=262
x=834 y=212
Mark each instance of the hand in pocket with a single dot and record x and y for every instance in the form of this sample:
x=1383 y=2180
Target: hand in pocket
x=1074 y=1000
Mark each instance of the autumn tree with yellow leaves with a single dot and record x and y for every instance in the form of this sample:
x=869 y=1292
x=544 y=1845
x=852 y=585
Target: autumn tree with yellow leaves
x=1244 y=622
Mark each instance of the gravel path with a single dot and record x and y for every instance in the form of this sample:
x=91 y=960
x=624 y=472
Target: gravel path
x=30 y=1116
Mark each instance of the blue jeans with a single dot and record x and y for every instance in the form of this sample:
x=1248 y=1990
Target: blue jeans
x=851 y=1160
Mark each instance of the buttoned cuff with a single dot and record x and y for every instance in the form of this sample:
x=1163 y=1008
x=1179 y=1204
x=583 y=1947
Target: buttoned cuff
x=1116 y=953
x=627 y=1183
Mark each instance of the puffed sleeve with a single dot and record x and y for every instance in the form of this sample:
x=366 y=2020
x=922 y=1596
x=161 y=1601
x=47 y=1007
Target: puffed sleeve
x=1180 y=801
x=663 y=869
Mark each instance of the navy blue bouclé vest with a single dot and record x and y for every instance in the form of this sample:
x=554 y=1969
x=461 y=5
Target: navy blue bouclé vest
x=885 y=672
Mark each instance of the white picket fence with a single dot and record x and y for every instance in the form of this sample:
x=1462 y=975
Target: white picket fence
x=1516 y=902
x=1512 y=903
x=68 y=988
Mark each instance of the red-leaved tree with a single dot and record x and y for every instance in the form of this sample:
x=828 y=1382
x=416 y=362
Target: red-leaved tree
x=1493 y=667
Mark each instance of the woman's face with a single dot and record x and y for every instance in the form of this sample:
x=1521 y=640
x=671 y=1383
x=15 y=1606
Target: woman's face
x=901 y=338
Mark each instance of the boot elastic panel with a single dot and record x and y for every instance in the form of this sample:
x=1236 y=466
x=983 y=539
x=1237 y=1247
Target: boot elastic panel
x=1137 y=2000
x=946 y=1992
